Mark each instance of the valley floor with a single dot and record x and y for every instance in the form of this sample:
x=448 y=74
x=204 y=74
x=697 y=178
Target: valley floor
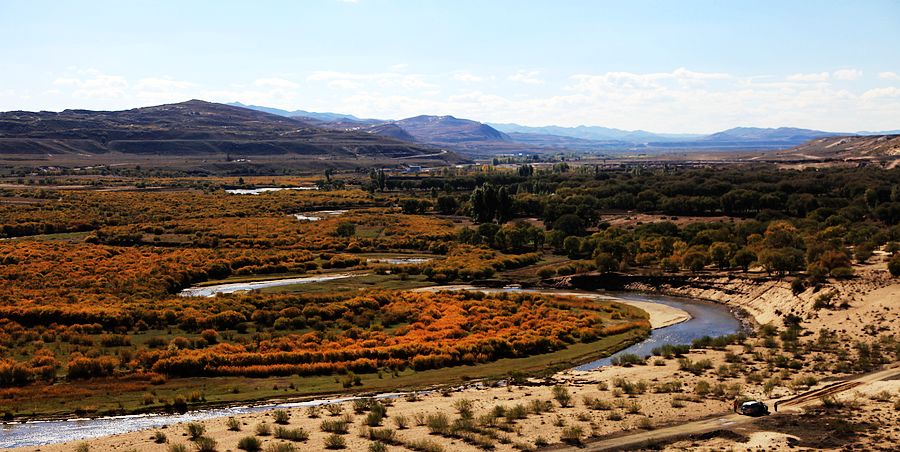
x=615 y=400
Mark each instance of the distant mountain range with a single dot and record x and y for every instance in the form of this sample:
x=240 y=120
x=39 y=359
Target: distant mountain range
x=203 y=128
x=474 y=137
x=325 y=117
x=594 y=133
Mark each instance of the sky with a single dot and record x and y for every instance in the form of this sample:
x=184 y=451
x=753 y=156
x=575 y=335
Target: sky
x=664 y=66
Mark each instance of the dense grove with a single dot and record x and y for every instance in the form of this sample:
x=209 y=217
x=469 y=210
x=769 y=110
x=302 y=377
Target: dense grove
x=814 y=221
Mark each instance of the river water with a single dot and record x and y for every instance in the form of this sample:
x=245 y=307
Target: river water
x=258 y=191
x=707 y=319
x=212 y=290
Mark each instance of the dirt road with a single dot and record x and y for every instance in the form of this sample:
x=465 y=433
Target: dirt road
x=731 y=420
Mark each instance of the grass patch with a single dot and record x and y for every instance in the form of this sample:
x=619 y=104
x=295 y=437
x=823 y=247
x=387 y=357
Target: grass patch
x=108 y=397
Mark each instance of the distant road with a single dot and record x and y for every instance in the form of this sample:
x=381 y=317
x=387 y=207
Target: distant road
x=443 y=152
x=791 y=405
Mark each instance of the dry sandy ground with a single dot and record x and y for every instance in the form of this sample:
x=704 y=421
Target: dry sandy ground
x=656 y=408
x=870 y=411
x=863 y=307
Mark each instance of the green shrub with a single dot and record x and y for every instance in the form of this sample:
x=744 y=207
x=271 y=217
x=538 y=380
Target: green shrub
x=384 y=435
x=644 y=423
x=424 y=445
x=518 y=411
x=669 y=350
x=250 y=444
x=159 y=437
x=627 y=360
x=539 y=406
x=281 y=416
x=438 y=423
x=291 y=434
x=894 y=265
x=400 y=421
x=696 y=368
x=572 y=435
x=465 y=408
x=841 y=272
x=233 y=424
x=668 y=387
x=373 y=419
x=335 y=441
x=597 y=404
x=562 y=396
x=205 y=444
x=195 y=430
x=263 y=429
x=281 y=447
x=632 y=408
x=339 y=426
x=629 y=387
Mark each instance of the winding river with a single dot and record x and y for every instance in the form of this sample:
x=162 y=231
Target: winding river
x=707 y=319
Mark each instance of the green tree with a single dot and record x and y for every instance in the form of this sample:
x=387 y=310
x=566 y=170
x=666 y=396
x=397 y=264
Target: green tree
x=894 y=265
x=721 y=253
x=781 y=260
x=572 y=246
x=569 y=224
x=447 y=204
x=606 y=263
x=346 y=229
x=484 y=201
x=694 y=260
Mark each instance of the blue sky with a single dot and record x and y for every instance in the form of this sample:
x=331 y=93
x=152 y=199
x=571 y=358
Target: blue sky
x=673 y=66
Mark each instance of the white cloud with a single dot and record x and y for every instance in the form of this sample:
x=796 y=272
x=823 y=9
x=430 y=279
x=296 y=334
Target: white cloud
x=848 y=74
x=162 y=90
x=468 y=77
x=876 y=93
x=680 y=100
x=611 y=81
x=888 y=75
x=276 y=83
x=344 y=84
x=94 y=84
x=526 y=77
x=360 y=80
x=816 y=77
x=162 y=84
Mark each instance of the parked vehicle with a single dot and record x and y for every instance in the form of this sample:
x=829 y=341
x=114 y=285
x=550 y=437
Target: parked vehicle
x=753 y=408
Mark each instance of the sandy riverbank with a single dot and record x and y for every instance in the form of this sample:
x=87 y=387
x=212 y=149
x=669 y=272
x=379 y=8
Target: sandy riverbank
x=858 y=307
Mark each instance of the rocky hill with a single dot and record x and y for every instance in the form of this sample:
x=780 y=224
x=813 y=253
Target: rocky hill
x=189 y=128
x=875 y=147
